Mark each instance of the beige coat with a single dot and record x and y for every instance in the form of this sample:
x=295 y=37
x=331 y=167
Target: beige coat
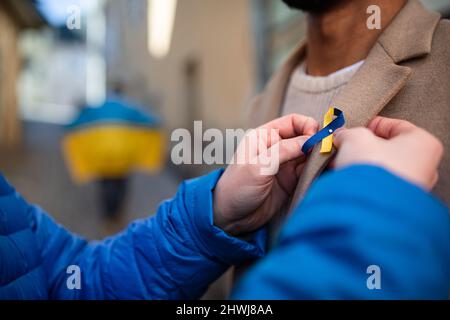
x=406 y=75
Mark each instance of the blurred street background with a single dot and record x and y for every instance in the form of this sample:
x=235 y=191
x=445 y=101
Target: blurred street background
x=181 y=60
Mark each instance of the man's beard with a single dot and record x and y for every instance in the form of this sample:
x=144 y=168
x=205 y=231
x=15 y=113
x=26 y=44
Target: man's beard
x=313 y=6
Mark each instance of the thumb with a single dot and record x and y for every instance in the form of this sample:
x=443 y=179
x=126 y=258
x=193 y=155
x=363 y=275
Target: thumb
x=344 y=135
x=288 y=149
x=339 y=136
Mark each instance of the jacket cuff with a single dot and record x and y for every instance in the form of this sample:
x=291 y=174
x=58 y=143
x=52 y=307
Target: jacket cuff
x=212 y=240
x=358 y=181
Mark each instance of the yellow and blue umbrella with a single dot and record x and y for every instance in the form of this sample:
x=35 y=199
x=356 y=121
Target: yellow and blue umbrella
x=111 y=141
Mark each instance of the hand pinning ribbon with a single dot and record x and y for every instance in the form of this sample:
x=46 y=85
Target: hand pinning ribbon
x=326 y=134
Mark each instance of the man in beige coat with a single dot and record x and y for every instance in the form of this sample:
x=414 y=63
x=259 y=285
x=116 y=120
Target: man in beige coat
x=401 y=70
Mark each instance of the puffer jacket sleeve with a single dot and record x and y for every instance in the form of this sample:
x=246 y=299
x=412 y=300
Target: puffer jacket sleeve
x=174 y=255
x=360 y=233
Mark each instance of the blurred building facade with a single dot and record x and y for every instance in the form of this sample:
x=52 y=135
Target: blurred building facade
x=52 y=84
x=221 y=53
x=208 y=73
x=15 y=16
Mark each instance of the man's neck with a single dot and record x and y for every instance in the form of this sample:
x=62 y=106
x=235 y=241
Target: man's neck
x=340 y=38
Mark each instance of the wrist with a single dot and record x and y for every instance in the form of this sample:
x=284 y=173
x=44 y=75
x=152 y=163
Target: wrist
x=219 y=216
x=196 y=217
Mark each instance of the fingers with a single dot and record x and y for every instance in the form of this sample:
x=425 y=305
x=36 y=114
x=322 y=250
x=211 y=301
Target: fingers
x=382 y=127
x=305 y=126
x=292 y=125
x=288 y=149
x=343 y=135
x=388 y=128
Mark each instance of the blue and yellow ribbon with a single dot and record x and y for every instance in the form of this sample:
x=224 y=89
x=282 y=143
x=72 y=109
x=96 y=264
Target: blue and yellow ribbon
x=326 y=134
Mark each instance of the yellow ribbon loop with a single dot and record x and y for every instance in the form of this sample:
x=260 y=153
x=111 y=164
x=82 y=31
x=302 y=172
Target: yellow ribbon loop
x=327 y=143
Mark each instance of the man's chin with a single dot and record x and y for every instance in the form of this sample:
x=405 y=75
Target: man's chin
x=313 y=6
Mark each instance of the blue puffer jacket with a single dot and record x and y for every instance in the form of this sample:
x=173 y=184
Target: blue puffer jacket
x=174 y=255
x=22 y=274
x=360 y=233
x=351 y=219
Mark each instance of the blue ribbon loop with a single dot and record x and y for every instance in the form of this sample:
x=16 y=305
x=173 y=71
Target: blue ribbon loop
x=337 y=123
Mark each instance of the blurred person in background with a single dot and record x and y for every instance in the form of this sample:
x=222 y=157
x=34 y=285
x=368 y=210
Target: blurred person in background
x=113 y=190
x=217 y=220
x=398 y=70
x=107 y=143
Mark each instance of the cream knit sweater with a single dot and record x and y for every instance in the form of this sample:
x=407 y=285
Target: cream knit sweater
x=312 y=96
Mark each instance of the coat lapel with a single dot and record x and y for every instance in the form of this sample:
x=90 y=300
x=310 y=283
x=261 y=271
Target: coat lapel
x=379 y=80
x=408 y=36
x=372 y=87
